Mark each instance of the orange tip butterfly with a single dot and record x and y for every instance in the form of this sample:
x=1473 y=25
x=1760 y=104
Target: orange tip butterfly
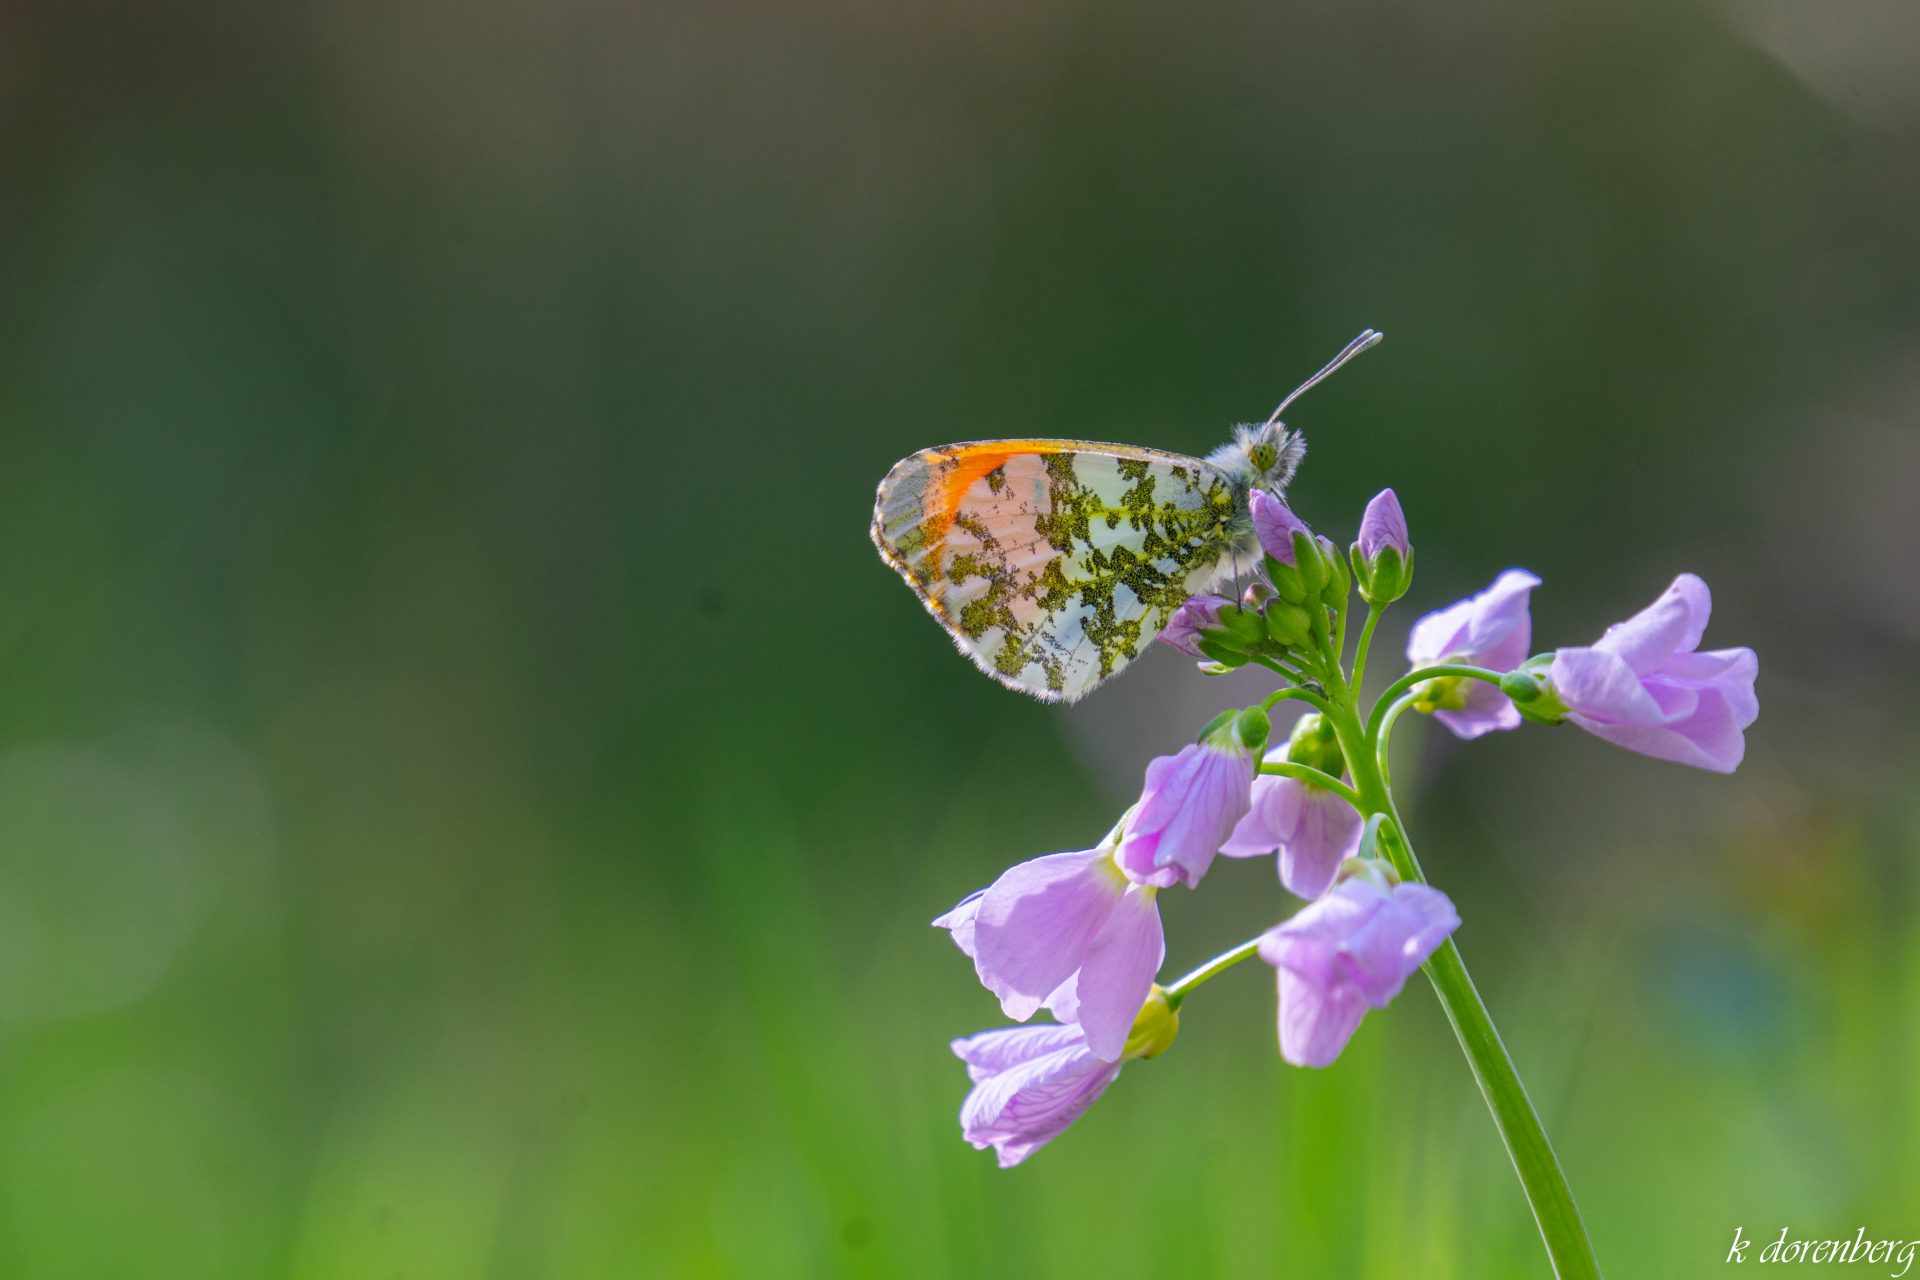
x=1053 y=563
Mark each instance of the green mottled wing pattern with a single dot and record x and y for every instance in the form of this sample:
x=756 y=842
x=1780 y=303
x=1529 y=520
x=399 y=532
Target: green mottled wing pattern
x=1053 y=563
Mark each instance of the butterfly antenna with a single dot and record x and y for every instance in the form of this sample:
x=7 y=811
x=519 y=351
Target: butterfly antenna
x=1367 y=338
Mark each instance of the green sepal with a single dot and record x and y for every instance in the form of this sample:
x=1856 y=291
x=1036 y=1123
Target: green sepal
x=1252 y=726
x=1314 y=744
x=1311 y=565
x=1288 y=624
x=1214 y=644
x=1362 y=571
x=1287 y=581
x=1531 y=691
x=1338 y=583
x=1216 y=724
x=1387 y=577
x=1245 y=627
x=1154 y=1028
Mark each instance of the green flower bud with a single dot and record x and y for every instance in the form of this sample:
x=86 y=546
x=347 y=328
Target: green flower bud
x=1289 y=625
x=1286 y=581
x=1253 y=727
x=1383 y=556
x=1215 y=646
x=1245 y=629
x=1386 y=577
x=1315 y=744
x=1154 y=1028
x=1311 y=565
x=1532 y=692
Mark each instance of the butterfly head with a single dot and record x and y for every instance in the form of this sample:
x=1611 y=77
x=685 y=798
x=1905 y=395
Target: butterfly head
x=1266 y=456
x=1262 y=454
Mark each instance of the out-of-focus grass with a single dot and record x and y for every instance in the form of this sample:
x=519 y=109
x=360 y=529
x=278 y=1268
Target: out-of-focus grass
x=471 y=801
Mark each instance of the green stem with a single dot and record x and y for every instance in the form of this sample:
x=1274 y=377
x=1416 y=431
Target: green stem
x=1318 y=777
x=1210 y=970
x=1519 y=1124
x=1385 y=738
x=1421 y=676
x=1366 y=642
x=1303 y=695
x=1339 y=650
x=1329 y=656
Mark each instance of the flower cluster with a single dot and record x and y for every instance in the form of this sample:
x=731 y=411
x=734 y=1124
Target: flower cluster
x=1079 y=934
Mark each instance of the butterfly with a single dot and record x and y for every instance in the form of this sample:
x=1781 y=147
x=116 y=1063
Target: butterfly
x=1053 y=563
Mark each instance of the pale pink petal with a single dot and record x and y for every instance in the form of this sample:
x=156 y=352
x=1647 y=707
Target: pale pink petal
x=1033 y=926
x=1710 y=738
x=1350 y=951
x=1118 y=973
x=1602 y=686
x=959 y=921
x=1316 y=1021
x=1672 y=624
x=1731 y=671
x=1487 y=711
x=1188 y=808
x=1439 y=634
x=1501 y=628
x=1326 y=833
x=1022 y=1107
x=991 y=1052
x=1271 y=817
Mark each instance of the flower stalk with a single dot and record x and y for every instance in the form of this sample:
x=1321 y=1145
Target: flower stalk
x=1541 y=1177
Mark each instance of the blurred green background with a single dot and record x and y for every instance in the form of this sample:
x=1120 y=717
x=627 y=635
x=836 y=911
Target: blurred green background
x=471 y=800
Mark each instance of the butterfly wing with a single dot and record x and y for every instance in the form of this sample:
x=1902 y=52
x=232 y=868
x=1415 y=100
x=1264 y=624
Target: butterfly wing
x=1052 y=563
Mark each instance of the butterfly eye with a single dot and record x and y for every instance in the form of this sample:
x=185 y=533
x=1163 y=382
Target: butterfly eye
x=1263 y=455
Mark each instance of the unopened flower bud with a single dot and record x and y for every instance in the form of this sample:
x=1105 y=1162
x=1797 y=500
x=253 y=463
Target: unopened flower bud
x=1252 y=727
x=1532 y=692
x=1154 y=1029
x=1288 y=624
x=1190 y=621
x=1383 y=555
x=1315 y=745
x=1216 y=647
x=1275 y=524
x=1245 y=628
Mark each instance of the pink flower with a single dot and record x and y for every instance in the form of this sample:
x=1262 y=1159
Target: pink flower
x=1314 y=830
x=1349 y=952
x=1029 y=1084
x=1201 y=613
x=1190 y=805
x=1491 y=630
x=1070 y=933
x=1644 y=687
